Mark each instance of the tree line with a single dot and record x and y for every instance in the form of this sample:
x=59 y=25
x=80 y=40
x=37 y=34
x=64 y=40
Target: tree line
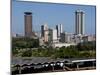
x=81 y=50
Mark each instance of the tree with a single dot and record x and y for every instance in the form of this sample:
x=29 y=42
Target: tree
x=25 y=43
x=14 y=52
x=27 y=53
x=87 y=46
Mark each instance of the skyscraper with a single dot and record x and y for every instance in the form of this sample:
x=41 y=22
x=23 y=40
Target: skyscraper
x=28 y=24
x=44 y=32
x=59 y=30
x=79 y=22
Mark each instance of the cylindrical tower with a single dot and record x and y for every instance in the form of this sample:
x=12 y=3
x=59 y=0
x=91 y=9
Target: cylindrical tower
x=79 y=22
x=28 y=24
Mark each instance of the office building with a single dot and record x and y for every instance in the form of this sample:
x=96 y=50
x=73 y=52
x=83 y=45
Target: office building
x=79 y=22
x=66 y=37
x=44 y=32
x=53 y=36
x=59 y=29
x=28 y=24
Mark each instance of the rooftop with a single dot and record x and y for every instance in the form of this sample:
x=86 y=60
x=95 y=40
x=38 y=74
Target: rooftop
x=28 y=13
x=42 y=60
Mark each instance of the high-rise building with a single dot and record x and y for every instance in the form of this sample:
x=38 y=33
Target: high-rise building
x=79 y=22
x=59 y=30
x=28 y=24
x=53 y=35
x=44 y=32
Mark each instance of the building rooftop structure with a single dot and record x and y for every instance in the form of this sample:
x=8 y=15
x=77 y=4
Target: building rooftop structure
x=36 y=60
x=28 y=13
x=62 y=44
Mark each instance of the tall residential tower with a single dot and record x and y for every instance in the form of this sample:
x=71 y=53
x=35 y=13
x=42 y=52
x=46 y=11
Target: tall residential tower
x=79 y=22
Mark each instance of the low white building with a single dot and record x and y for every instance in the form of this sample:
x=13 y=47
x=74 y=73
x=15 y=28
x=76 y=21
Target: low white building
x=78 y=38
x=54 y=45
x=91 y=38
x=41 y=41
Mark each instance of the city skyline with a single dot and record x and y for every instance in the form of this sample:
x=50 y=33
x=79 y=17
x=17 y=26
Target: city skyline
x=46 y=13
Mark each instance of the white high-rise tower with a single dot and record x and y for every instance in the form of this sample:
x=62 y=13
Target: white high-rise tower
x=79 y=22
x=59 y=29
x=44 y=32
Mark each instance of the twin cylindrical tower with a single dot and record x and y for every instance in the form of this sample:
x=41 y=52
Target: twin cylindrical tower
x=79 y=22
